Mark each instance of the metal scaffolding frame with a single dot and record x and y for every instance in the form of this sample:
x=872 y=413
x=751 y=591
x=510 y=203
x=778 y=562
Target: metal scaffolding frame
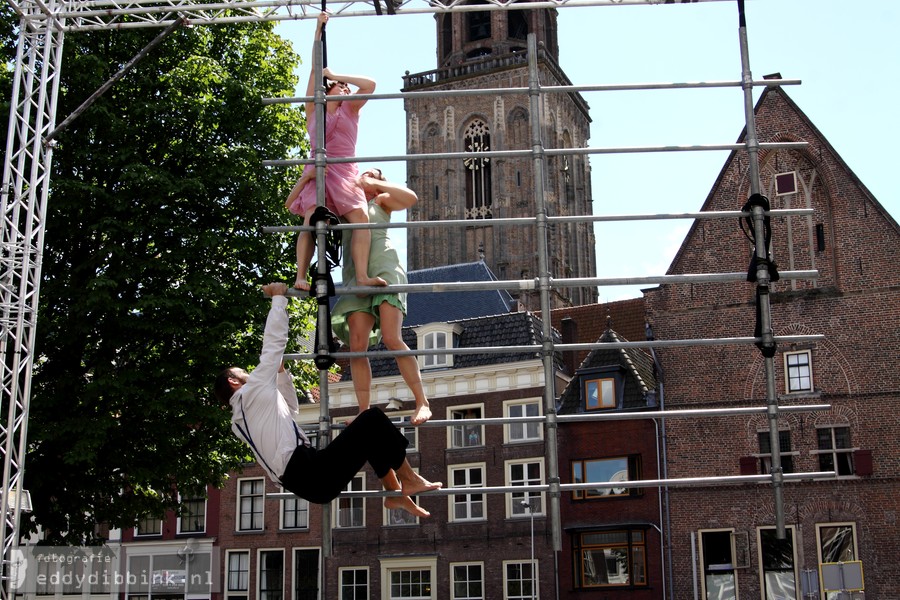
x=26 y=181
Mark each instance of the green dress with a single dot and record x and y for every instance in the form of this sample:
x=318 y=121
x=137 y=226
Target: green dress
x=384 y=262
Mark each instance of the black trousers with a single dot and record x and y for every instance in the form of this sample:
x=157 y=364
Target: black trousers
x=321 y=475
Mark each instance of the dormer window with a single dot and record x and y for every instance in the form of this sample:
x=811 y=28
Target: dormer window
x=436 y=336
x=599 y=393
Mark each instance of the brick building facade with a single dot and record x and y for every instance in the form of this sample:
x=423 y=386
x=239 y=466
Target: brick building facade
x=726 y=533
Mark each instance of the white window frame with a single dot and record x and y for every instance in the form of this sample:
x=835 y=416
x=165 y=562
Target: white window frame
x=409 y=431
x=295 y=551
x=535 y=579
x=137 y=530
x=393 y=565
x=514 y=508
x=465 y=431
x=842 y=524
x=355 y=584
x=453 y=567
x=759 y=554
x=778 y=188
x=468 y=502
x=183 y=500
x=357 y=484
x=518 y=433
x=790 y=372
x=426 y=339
x=254 y=498
x=259 y=571
x=298 y=509
x=228 y=592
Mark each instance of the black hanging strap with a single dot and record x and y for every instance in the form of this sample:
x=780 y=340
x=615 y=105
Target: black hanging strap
x=322 y=288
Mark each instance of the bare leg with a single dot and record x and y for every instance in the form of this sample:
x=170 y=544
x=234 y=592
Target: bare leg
x=390 y=482
x=359 y=249
x=304 y=253
x=361 y=324
x=391 y=326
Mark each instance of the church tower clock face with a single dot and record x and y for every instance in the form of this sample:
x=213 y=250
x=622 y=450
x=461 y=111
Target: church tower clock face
x=480 y=51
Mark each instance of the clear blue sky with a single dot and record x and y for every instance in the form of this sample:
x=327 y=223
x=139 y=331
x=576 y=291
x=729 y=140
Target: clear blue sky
x=847 y=54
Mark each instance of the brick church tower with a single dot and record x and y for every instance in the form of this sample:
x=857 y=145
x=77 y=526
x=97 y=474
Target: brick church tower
x=487 y=50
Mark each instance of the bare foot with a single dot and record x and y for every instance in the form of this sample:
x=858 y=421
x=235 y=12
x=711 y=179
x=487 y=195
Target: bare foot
x=411 y=483
x=405 y=503
x=422 y=414
x=371 y=282
x=301 y=283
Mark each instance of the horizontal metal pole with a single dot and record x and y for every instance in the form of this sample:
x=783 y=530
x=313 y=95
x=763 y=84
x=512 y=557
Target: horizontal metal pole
x=532 y=284
x=106 y=14
x=549 y=89
x=291 y=162
x=611 y=416
x=527 y=221
x=572 y=487
x=535 y=349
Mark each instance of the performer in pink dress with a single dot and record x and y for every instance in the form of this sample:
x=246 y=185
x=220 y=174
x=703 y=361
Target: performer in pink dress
x=343 y=196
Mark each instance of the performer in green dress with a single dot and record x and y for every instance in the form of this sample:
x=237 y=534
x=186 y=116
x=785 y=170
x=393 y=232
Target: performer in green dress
x=360 y=321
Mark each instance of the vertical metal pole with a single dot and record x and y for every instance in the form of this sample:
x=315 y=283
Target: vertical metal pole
x=539 y=160
x=322 y=343
x=25 y=188
x=762 y=276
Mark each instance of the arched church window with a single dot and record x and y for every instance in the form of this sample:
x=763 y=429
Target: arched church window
x=477 y=138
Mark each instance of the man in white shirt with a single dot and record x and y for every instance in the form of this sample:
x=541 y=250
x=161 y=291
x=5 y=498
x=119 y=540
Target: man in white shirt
x=264 y=404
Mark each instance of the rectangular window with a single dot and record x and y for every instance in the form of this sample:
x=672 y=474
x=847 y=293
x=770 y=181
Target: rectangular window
x=835 y=452
x=238 y=576
x=271 y=575
x=599 y=393
x=294 y=513
x=410 y=584
x=467 y=581
x=351 y=511
x=717 y=554
x=398 y=516
x=193 y=516
x=435 y=340
x=798 y=371
x=527 y=472
x=785 y=183
x=837 y=542
x=306 y=574
x=466 y=436
x=467 y=507
x=523 y=432
x=777 y=559
x=148 y=526
x=765 y=452
x=606 y=470
x=610 y=558
x=354 y=583
x=408 y=431
x=250 y=504
x=519 y=580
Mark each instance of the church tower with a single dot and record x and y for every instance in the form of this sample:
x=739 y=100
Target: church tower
x=487 y=50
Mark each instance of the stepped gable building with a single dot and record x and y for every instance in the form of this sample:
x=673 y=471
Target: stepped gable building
x=485 y=50
x=726 y=534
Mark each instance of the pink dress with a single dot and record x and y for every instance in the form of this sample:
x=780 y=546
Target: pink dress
x=342 y=194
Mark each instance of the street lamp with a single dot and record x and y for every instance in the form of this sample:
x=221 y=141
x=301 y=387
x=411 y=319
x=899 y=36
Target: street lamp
x=527 y=507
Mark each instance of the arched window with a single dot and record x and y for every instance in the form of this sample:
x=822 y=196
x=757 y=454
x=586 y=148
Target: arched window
x=478 y=171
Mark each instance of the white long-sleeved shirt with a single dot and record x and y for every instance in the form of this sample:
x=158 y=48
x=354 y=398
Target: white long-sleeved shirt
x=263 y=409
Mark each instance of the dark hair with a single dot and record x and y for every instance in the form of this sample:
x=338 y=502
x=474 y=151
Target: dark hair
x=222 y=388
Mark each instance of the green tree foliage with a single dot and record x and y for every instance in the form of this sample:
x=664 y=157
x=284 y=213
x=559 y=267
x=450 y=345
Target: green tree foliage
x=151 y=270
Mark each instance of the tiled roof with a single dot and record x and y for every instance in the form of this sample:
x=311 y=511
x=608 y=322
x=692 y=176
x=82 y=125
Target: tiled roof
x=640 y=377
x=441 y=307
x=510 y=329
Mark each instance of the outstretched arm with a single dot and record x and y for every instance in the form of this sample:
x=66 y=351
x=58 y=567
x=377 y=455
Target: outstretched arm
x=313 y=80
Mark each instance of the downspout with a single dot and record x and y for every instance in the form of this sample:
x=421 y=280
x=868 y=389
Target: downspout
x=666 y=551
